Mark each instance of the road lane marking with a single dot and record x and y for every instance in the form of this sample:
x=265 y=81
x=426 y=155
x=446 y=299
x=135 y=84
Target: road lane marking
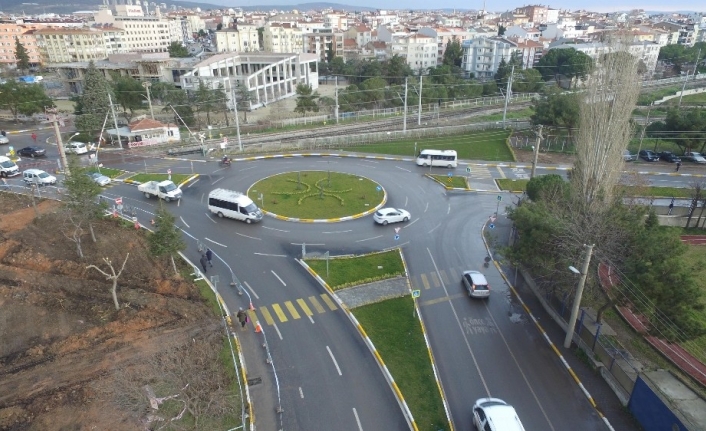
x=328 y=302
x=270 y=255
x=442 y=299
x=368 y=239
x=279 y=334
x=410 y=223
x=280 y=313
x=304 y=307
x=278 y=230
x=317 y=305
x=403 y=169
x=299 y=243
x=292 y=310
x=266 y=315
x=182 y=220
x=339 y=231
x=208 y=215
x=500 y=171
x=426 y=207
x=301 y=393
x=435 y=279
x=217 y=243
x=434 y=228
x=192 y=183
x=444 y=278
x=214 y=182
x=357 y=420
x=246 y=236
x=280 y=280
x=251 y=289
x=425 y=282
x=406 y=199
x=334 y=361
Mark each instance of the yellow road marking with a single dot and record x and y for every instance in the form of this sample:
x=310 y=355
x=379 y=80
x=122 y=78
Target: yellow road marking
x=317 y=305
x=304 y=307
x=442 y=299
x=292 y=309
x=266 y=314
x=425 y=282
x=435 y=279
x=279 y=312
x=329 y=302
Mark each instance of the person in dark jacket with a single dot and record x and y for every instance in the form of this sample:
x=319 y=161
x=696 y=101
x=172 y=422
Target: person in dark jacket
x=242 y=317
x=204 y=262
x=209 y=256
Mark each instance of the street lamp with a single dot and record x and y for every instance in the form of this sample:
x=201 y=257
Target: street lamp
x=579 y=293
x=147 y=85
x=72 y=136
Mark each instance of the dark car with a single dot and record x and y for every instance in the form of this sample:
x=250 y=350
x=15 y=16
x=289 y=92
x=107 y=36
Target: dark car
x=649 y=156
x=31 y=152
x=669 y=156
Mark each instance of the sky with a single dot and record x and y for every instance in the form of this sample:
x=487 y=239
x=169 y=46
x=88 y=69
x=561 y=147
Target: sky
x=493 y=5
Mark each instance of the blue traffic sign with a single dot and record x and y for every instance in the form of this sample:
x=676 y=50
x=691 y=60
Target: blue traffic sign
x=397 y=237
x=378 y=188
x=449 y=174
x=492 y=226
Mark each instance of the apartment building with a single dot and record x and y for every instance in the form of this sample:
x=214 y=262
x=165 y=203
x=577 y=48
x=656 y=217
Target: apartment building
x=443 y=36
x=238 y=38
x=282 y=38
x=420 y=51
x=482 y=56
x=360 y=33
x=9 y=33
x=648 y=52
x=141 y=33
x=529 y=51
x=323 y=41
x=66 y=45
x=535 y=13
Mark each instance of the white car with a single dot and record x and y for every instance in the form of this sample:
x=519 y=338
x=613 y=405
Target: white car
x=75 y=147
x=476 y=284
x=4 y=140
x=695 y=157
x=384 y=216
x=494 y=414
x=99 y=178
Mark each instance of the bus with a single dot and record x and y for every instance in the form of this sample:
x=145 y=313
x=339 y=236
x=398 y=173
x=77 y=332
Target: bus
x=446 y=158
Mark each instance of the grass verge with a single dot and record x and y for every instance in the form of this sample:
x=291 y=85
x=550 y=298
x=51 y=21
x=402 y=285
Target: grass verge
x=397 y=335
x=452 y=181
x=696 y=260
x=108 y=172
x=310 y=194
x=350 y=271
x=512 y=185
x=658 y=192
x=143 y=178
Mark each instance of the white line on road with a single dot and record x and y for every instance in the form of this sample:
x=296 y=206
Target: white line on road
x=334 y=361
x=182 y=220
x=178 y=202
x=192 y=183
x=311 y=319
x=298 y=243
x=403 y=169
x=500 y=171
x=217 y=180
x=279 y=334
x=217 y=243
x=209 y=217
x=368 y=239
x=410 y=223
x=339 y=231
x=448 y=210
x=280 y=280
x=202 y=195
x=245 y=169
x=250 y=289
x=426 y=207
x=246 y=236
x=357 y=420
x=270 y=255
x=271 y=228
x=435 y=227
x=301 y=393
x=406 y=199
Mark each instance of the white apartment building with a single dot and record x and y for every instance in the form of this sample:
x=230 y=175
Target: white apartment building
x=141 y=33
x=360 y=33
x=323 y=41
x=240 y=38
x=282 y=38
x=420 y=51
x=648 y=52
x=66 y=45
x=443 y=36
x=482 y=56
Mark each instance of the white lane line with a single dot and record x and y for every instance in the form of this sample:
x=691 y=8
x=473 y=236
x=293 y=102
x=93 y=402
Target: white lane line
x=368 y=239
x=182 y=220
x=279 y=334
x=245 y=169
x=178 y=202
x=301 y=393
x=410 y=223
x=311 y=319
x=209 y=217
x=435 y=227
x=500 y=171
x=357 y=419
x=270 y=255
x=202 y=195
x=298 y=243
x=251 y=290
x=403 y=169
x=217 y=243
x=193 y=182
x=280 y=280
x=217 y=180
x=426 y=207
x=406 y=199
x=278 y=230
x=246 y=236
x=339 y=231
x=334 y=361
x=448 y=210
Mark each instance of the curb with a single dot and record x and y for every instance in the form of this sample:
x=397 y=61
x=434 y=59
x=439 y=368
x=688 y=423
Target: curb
x=545 y=336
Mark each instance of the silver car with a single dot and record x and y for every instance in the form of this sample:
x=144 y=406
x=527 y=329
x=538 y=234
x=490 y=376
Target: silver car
x=384 y=216
x=695 y=157
x=99 y=178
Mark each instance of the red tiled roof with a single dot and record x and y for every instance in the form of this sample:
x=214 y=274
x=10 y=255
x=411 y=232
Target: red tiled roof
x=145 y=124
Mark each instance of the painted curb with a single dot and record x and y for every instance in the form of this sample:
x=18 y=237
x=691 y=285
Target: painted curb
x=544 y=334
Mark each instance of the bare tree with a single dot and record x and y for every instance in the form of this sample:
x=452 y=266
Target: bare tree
x=697 y=194
x=73 y=230
x=113 y=276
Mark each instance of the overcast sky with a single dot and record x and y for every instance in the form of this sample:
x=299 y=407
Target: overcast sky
x=494 y=5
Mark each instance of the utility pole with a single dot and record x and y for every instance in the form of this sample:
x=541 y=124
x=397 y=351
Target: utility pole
x=683 y=87
x=577 y=298
x=237 y=121
x=536 y=151
x=642 y=135
x=53 y=115
x=507 y=93
x=419 y=113
x=696 y=65
x=335 y=107
x=147 y=85
x=404 y=124
x=115 y=121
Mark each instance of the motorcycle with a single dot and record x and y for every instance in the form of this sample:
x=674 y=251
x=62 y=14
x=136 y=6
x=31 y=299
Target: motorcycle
x=224 y=163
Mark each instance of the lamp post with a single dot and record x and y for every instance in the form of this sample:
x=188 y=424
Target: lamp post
x=579 y=293
x=147 y=85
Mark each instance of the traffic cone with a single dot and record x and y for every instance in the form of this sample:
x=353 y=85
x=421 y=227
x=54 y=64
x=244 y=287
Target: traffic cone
x=258 y=328
x=252 y=307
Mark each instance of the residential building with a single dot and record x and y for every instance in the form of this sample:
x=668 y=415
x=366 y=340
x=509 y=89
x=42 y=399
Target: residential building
x=482 y=56
x=360 y=33
x=682 y=34
x=282 y=38
x=523 y=33
x=529 y=51
x=323 y=41
x=420 y=51
x=141 y=33
x=648 y=52
x=66 y=45
x=443 y=37
x=239 y=38
x=145 y=132
x=536 y=13
x=10 y=31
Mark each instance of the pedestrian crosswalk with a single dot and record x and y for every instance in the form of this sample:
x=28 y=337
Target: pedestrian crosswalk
x=480 y=172
x=294 y=310
x=447 y=276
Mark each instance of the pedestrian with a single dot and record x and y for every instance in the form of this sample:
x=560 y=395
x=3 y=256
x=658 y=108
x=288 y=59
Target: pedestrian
x=242 y=317
x=671 y=207
x=209 y=256
x=678 y=166
x=3 y=132
x=34 y=137
x=203 y=261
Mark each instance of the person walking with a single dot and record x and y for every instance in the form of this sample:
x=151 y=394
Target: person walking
x=242 y=317
x=678 y=166
x=34 y=137
x=204 y=262
x=209 y=256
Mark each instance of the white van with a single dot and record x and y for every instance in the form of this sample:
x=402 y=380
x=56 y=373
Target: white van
x=8 y=168
x=76 y=147
x=227 y=203
x=38 y=176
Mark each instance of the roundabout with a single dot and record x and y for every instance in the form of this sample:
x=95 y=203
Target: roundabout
x=317 y=196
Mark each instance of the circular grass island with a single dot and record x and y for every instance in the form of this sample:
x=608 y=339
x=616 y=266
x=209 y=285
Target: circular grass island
x=317 y=195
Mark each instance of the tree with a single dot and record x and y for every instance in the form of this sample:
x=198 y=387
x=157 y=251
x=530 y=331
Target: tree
x=686 y=127
x=501 y=30
x=557 y=109
x=565 y=62
x=179 y=102
x=112 y=276
x=93 y=104
x=202 y=33
x=176 y=49
x=306 y=99
x=453 y=54
x=527 y=81
x=219 y=26
x=21 y=55
x=81 y=197
x=25 y=99
x=129 y=94
x=396 y=69
x=243 y=97
x=166 y=238
x=546 y=187
x=207 y=100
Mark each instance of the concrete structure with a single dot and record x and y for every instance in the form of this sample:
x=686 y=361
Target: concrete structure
x=141 y=33
x=361 y=34
x=321 y=41
x=536 y=13
x=648 y=52
x=482 y=56
x=239 y=38
x=9 y=32
x=686 y=34
x=268 y=77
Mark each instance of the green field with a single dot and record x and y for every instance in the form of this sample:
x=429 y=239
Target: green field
x=143 y=178
x=351 y=271
x=695 y=257
x=697 y=99
x=484 y=145
x=454 y=181
x=512 y=185
x=311 y=195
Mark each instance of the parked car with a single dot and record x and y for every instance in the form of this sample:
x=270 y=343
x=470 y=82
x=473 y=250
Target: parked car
x=39 y=177
x=648 y=156
x=629 y=157
x=494 y=414
x=76 y=147
x=695 y=157
x=99 y=178
x=4 y=140
x=669 y=156
x=476 y=284
x=384 y=216
x=31 y=152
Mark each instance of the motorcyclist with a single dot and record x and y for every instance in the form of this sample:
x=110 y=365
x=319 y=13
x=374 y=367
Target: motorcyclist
x=225 y=160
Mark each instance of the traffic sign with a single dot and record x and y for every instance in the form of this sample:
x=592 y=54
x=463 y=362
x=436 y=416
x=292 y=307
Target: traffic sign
x=492 y=226
x=500 y=198
x=169 y=171
x=416 y=293
x=397 y=237
x=397 y=230
x=118 y=201
x=468 y=169
x=450 y=175
x=378 y=188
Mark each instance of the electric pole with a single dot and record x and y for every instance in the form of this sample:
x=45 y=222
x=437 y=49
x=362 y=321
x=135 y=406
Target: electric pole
x=404 y=124
x=508 y=91
x=237 y=121
x=115 y=121
x=419 y=113
x=53 y=116
x=536 y=151
x=147 y=85
x=577 y=298
x=335 y=107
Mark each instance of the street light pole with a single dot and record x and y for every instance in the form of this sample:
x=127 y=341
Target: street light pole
x=54 y=118
x=577 y=298
x=147 y=85
x=536 y=151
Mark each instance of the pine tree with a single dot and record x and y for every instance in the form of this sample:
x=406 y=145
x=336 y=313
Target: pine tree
x=21 y=55
x=166 y=238
x=306 y=99
x=243 y=96
x=93 y=105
